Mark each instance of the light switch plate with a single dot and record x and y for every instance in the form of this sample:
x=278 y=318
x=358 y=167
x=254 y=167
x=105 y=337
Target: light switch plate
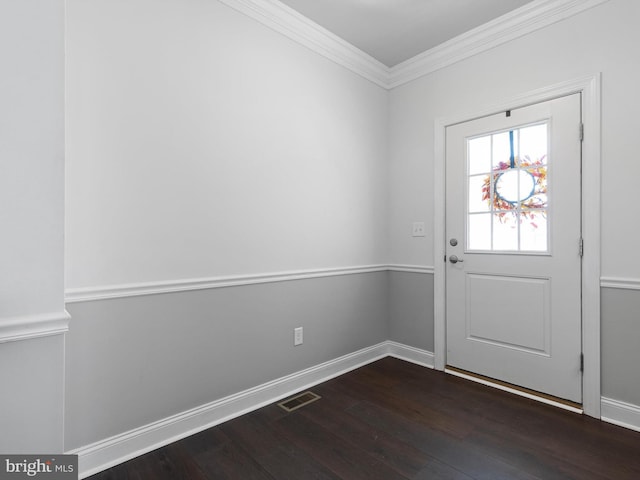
x=418 y=229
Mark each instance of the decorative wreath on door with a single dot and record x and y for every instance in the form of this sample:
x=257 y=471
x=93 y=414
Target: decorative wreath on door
x=517 y=187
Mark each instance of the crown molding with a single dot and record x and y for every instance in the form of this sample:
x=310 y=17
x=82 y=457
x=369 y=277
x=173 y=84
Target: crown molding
x=285 y=20
x=522 y=21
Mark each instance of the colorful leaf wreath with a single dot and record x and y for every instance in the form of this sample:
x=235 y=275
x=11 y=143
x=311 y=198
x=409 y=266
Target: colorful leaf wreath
x=528 y=208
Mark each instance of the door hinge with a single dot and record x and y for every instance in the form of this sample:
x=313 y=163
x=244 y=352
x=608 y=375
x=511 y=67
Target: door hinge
x=582 y=362
x=582 y=132
x=581 y=248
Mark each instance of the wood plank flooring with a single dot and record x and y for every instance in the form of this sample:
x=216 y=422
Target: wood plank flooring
x=395 y=420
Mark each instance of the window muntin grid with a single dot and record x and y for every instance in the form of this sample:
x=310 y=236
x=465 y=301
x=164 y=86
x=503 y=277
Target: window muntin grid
x=507 y=205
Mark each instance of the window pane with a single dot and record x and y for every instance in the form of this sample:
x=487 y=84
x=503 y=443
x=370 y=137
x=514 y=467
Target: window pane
x=533 y=142
x=479 y=232
x=479 y=193
x=479 y=155
x=515 y=185
x=505 y=231
x=502 y=150
x=533 y=231
x=539 y=197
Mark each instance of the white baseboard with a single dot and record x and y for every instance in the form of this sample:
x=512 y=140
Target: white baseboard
x=410 y=354
x=620 y=413
x=112 y=451
x=120 y=448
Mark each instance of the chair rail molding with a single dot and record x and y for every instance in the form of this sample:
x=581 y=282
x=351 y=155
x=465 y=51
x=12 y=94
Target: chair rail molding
x=87 y=294
x=25 y=327
x=620 y=283
x=425 y=269
x=104 y=292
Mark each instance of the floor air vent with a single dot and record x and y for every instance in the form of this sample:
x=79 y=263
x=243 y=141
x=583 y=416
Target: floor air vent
x=298 y=401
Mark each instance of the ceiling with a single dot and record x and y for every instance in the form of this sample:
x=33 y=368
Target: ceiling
x=392 y=31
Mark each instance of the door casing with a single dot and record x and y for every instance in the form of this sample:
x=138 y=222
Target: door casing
x=589 y=86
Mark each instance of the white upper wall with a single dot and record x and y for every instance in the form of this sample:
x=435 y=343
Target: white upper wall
x=603 y=39
x=31 y=157
x=199 y=136
x=32 y=315
x=201 y=144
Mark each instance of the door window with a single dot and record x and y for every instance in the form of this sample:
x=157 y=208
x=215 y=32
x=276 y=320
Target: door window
x=507 y=190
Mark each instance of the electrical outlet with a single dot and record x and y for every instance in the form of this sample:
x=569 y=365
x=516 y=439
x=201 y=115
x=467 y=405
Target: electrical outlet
x=297 y=336
x=418 y=229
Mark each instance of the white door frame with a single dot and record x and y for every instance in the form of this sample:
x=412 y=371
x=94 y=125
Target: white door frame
x=589 y=87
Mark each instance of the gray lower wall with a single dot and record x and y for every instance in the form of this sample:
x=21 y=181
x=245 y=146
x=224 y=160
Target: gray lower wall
x=620 y=337
x=136 y=360
x=31 y=373
x=133 y=361
x=411 y=309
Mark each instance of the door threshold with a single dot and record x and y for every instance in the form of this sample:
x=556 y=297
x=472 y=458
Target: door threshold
x=515 y=389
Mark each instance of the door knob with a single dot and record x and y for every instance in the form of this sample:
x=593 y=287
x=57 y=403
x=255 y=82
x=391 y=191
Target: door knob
x=455 y=259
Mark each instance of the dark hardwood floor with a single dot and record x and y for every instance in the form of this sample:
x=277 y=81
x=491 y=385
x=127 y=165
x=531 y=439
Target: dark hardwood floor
x=395 y=420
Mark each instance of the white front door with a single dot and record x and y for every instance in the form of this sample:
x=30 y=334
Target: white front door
x=513 y=210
